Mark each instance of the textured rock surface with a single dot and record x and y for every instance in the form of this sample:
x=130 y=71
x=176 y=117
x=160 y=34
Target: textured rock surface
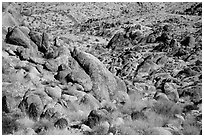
x=102 y=68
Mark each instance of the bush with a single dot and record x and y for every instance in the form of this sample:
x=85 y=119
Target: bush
x=191 y=126
x=9 y=125
x=167 y=108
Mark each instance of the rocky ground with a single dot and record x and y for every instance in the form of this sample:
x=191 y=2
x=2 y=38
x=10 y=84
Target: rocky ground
x=102 y=68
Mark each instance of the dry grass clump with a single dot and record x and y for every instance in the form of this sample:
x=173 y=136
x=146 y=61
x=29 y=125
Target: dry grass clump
x=56 y=131
x=167 y=108
x=190 y=126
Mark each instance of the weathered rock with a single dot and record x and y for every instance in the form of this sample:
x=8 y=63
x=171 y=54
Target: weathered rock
x=96 y=116
x=45 y=42
x=72 y=90
x=85 y=128
x=16 y=36
x=69 y=98
x=119 y=42
x=8 y=20
x=170 y=90
x=32 y=105
x=89 y=102
x=104 y=82
x=25 y=30
x=61 y=123
x=36 y=37
x=80 y=76
x=74 y=73
x=63 y=58
x=54 y=92
x=160 y=96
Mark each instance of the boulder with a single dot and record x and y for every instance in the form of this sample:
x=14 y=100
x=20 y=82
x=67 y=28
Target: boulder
x=8 y=20
x=170 y=90
x=74 y=73
x=71 y=89
x=32 y=105
x=89 y=102
x=17 y=37
x=160 y=96
x=79 y=76
x=119 y=42
x=61 y=123
x=96 y=117
x=53 y=92
x=69 y=98
x=105 y=85
x=138 y=115
x=36 y=37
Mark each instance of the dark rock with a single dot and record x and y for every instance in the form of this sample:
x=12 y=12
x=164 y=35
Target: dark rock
x=61 y=123
x=135 y=35
x=5 y=104
x=16 y=36
x=74 y=73
x=36 y=37
x=32 y=105
x=9 y=125
x=25 y=53
x=45 y=42
x=32 y=111
x=48 y=114
x=119 y=42
x=138 y=115
x=167 y=28
x=189 y=41
x=96 y=116
x=26 y=12
x=165 y=37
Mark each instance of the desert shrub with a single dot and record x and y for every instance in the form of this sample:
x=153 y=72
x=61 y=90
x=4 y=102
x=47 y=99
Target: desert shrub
x=167 y=108
x=77 y=116
x=156 y=120
x=191 y=126
x=55 y=131
x=25 y=122
x=191 y=130
x=9 y=125
x=136 y=127
x=42 y=126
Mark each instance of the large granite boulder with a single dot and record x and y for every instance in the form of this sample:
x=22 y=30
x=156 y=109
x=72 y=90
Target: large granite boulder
x=105 y=86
